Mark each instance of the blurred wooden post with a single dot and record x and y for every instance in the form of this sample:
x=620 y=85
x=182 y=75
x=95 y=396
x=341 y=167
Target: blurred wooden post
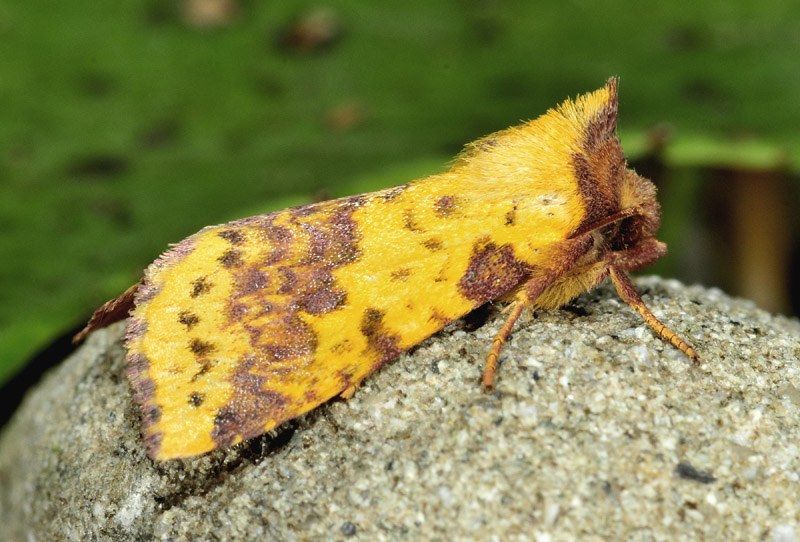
x=761 y=237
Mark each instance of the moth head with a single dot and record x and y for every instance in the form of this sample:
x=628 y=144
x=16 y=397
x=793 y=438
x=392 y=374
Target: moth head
x=636 y=192
x=607 y=185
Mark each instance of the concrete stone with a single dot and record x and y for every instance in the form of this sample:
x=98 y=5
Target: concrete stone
x=597 y=430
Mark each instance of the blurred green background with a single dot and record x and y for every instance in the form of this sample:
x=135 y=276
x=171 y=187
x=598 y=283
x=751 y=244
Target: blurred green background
x=125 y=126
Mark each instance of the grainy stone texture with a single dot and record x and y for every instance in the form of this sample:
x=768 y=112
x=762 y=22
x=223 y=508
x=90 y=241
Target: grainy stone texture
x=597 y=431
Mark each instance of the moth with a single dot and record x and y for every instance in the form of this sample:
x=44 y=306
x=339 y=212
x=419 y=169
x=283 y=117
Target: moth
x=246 y=325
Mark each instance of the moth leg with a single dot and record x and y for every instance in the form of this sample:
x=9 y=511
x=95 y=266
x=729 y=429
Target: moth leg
x=522 y=301
x=630 y=296
x=527 y=296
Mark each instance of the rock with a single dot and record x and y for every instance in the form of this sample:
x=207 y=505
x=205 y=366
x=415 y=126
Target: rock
x=597 y=430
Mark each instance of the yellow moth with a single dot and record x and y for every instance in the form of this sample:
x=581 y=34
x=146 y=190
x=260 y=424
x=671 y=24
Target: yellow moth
x=246 y=325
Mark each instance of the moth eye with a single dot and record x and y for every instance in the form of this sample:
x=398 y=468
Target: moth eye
x=628 y=233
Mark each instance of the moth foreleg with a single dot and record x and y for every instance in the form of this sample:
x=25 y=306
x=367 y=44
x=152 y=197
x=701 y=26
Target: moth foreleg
x=521 y=301
x=527 y=295
x=629 y=295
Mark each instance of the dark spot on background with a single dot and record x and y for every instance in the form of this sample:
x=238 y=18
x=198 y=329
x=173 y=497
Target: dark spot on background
x=160 y=14
x=114 y=210
x=97 y=85
x=684 y=38
x=315 y=30
x=268 y=84
x=160 y=134
x=348 y=529
x=577 y=310
x=476 y=318
x=707 y=93
x=99 y=165
x=688 y=472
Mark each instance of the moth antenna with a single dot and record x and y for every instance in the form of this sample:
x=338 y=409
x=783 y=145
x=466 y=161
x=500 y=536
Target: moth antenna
x=621 y=215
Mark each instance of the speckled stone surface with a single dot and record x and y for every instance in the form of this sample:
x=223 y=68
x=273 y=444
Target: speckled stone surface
x=597 y=430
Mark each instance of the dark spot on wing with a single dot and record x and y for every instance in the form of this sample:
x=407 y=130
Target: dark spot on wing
x=188 y=319
x=410 y=221
x=251 y=406
x=433 y=244
x=392 y=193
x=231 y=258
x=400 y=275
x=205 y=366
x=250 y=280
x=196 y=399
x=446 y=206
x=511 y=216
x=440 y=318
x=379 y=339
x=492 y=271
x=200 y=286
x=200 y=347
x=234 y=237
